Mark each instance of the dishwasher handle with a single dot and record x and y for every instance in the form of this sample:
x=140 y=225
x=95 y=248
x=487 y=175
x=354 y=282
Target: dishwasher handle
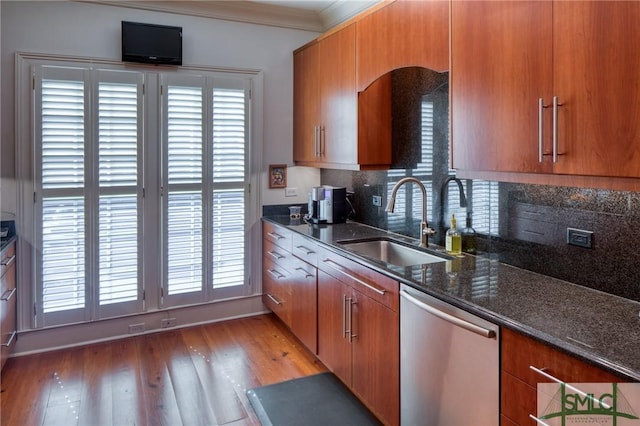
x=489 y=334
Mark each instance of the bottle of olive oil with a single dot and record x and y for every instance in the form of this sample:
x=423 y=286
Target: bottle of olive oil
x=453 y=239
x=469 y=240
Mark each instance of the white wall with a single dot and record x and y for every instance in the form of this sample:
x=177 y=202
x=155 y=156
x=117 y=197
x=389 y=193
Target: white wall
x=91 y=30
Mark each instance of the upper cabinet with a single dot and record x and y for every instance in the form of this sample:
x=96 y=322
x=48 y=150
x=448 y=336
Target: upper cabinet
x=546 y=87
x=326 y=108
x=343 y=87
x=403 y=34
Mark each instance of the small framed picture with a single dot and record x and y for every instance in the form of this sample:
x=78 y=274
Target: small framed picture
x=277 y=176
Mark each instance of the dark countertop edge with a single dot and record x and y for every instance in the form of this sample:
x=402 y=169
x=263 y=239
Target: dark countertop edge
x=555 y=342
x=7 y=242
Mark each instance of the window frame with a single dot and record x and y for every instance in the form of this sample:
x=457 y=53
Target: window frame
x=29 y=317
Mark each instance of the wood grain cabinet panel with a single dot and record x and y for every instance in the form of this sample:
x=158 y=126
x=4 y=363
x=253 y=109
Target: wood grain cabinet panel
x=403 y=34
x=519 y=382
x=359 y=335
x=510 y=60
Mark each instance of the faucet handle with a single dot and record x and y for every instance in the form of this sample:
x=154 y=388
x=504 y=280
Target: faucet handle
x=429 y=231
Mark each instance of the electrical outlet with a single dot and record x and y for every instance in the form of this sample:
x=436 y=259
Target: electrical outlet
x=579 y=238
x=377 y=201
x=291 y=192
x=167 y=322
x=136 y=328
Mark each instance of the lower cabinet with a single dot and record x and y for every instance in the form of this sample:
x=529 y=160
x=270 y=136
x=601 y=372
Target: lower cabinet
x=525 y=363
x=7 y=302
x=358 y=334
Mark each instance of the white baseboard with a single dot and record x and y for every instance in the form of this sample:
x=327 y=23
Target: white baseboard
x=43 y=340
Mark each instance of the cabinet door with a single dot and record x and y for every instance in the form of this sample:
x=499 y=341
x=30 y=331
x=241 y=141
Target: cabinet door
x=304 y=308
x=501 y=64
x=403 y=34
x=7 y=305
x=334 y=348
x=337 y=54
x=376 y=357
x=597 y=81
x=306 y=104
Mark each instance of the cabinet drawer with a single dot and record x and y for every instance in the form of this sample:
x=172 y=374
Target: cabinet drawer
x=8 y=258
x=367 y=281
x=305 y=249
x=276 y=254
x=278 y=235
x=519 y=352
x=276 y=290
x=518 y=400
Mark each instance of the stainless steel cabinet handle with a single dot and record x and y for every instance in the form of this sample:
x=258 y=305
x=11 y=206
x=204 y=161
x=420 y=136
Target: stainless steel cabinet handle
x=305 y=249
x=277 y=275
x=537 y=420
x=322 y=140
x=11 y=293
x=344 y=316
x=541 y=107
x=276 y=236
x=273 y=299
x=337 y=268
x=275 y=255
x=13 y=335
x=316 y=140
x=556 y=104
x=305 y=273
x=450 y=318
x=351 y=303
x=9 y=262
x=546 y=375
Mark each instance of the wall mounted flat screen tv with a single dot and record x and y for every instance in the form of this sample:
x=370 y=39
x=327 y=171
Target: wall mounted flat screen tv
x=151 y=44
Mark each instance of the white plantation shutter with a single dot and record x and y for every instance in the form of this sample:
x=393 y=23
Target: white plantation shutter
x=229 y=171
x=119 y=180
x=104 y=243
x=87 y=192
x=184 y=167
x=205 y=181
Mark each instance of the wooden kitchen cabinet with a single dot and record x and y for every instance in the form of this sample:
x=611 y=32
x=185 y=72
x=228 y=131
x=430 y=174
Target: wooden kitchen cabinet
x=8 y=291
x=289 y=283
x=403 y=34
x=327 y=108
x=358 y=332
x=519 y=381
x=506 y=56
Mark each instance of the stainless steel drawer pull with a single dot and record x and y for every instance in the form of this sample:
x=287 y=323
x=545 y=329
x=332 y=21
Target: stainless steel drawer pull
x=276 y=236
x=6 y=345
x=11 y=293
x=9 y=262
x=273 y=299
x=277 y=275
x=305 y=249
x=336 y=267
x=449 y=318
x=276 y=255
x=556 y=105
x=305 y=273
x=546 y=375
x=537 y=420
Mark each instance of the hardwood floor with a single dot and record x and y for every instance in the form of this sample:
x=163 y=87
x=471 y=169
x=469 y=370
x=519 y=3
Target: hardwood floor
x=189 y=376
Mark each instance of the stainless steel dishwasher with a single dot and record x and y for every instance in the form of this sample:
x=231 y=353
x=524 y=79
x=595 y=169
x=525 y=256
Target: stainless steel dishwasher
x=449 y=364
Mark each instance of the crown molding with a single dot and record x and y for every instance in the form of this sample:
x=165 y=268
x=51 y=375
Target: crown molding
x=253 y=12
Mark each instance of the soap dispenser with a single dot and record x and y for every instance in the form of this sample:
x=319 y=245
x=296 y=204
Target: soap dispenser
x=453 y=239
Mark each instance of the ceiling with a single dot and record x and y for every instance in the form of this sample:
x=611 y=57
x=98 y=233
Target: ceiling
x=309 y=15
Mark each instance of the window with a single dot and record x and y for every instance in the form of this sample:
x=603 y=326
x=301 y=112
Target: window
x=97 y=230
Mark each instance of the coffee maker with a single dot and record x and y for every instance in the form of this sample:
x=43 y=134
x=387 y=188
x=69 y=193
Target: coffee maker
x=327 y=204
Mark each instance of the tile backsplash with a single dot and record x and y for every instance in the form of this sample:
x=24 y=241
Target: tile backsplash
x=531 y=231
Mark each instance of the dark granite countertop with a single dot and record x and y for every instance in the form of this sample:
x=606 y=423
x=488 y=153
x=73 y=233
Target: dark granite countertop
x=4 y=242
x=595 y=326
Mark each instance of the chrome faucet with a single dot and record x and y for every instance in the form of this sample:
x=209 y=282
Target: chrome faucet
x=425 y=231
x=444 y=199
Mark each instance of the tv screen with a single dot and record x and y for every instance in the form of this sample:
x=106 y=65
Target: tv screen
x=151 y=44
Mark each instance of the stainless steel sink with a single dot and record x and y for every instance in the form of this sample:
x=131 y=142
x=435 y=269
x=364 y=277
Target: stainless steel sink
x=391 y=252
